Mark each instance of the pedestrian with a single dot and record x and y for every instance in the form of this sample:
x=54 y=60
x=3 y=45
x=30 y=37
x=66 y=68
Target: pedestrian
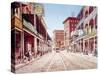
x=30 y=55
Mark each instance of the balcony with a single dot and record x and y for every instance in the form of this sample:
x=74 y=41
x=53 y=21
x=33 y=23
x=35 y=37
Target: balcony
x=93 y=13
x=40 y=35
x=85 y=20
x=16 y=22
x=93 y=31
x=80 y=22
x=79 y=35
x=29 y=26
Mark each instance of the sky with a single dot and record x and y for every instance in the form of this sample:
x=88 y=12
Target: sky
x=55 y=14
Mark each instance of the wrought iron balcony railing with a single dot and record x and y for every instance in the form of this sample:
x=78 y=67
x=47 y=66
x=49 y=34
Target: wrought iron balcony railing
x=93 y=13
x=29 y=26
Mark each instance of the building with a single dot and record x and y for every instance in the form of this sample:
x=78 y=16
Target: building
x=28 y=33
x=69 y=28
x=86 y=31
x=58 y=39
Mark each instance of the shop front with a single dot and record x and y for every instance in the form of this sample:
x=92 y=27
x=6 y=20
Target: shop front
x=16 y=47
x=28 y=44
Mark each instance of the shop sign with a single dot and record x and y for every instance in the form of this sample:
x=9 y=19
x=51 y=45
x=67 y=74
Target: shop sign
x=18 y=23
x=80 y=32
x=38 y=9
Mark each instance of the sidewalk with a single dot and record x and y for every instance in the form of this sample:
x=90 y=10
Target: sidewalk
x=28 y=62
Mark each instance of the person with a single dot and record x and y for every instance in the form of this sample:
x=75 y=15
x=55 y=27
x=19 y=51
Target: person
x=27 y=54
x=30 y=55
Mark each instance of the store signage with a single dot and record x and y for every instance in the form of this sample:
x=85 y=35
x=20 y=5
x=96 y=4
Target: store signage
x=80 y=32
x=38 y=9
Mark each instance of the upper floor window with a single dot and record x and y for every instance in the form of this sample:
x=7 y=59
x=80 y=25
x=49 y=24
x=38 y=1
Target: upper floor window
x=91 y=22
x=96 y=20
x=16 y=10
x=91 y=9
x=86 y=13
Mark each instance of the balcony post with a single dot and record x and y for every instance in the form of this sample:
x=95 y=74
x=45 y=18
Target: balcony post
x=35 y=46
x=22 y=46
x=35 y=21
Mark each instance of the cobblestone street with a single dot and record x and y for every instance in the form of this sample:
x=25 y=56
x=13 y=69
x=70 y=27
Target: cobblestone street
x=59 y=61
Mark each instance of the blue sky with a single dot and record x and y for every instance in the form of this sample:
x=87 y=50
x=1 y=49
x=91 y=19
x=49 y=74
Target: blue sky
x=55 y=14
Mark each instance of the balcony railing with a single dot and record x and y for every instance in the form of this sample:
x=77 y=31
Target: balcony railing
x=90 y=31
x=40 y=35
x=29 y=26
x=16 y=22
x=93 y=13
x=80 y=22
x=85 y=20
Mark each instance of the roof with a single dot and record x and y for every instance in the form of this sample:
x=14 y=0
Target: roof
x=58 y=30
x=17 y=4
x=70 y=18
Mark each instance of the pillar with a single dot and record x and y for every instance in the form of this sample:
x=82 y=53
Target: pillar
x=35 y=21
x=22 y=46
x=94 y=45
x=35 y=45
x=88 y=50
x=83 y=46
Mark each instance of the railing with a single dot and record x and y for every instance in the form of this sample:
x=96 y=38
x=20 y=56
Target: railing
x=80 y=22
x=90 y=31
x=40 y=35
x=16 y=22
x=93 y=13
x=29 y=26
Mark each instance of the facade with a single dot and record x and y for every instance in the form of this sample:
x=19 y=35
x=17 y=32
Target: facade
x=58 y=39
x=85 y=37
x=69 y=27
x=28 y=33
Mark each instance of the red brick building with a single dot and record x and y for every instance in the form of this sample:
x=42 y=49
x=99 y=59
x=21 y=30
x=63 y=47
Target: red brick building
x=69 y=28
x=58 y=39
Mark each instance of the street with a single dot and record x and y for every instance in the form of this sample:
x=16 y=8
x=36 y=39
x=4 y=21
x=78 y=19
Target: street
x=60 y=61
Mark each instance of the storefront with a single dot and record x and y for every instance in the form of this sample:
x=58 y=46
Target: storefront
x=28 y=43
x=91 y=45
x=86 y=46
x=16 y=47
x=81 y=45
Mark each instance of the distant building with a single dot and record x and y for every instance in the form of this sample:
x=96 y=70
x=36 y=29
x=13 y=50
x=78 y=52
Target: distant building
x=69 y=28
x=58 y=39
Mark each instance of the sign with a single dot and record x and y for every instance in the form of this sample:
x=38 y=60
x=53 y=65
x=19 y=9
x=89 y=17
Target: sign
x=80 y=32
x=38 y=9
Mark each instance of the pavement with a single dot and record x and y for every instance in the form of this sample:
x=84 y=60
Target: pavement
x=60 y=61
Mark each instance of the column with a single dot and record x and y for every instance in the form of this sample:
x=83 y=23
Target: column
x=88 y=45
x=80 y=46
x=22 y=46
x=35 y=21
x=83 y=46
x=35 y=45
x=94 y=45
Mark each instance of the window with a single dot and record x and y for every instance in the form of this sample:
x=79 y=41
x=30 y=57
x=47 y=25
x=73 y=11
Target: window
x=16 y=10
x=90 y=9
x=96 y=20
x=86 y=13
